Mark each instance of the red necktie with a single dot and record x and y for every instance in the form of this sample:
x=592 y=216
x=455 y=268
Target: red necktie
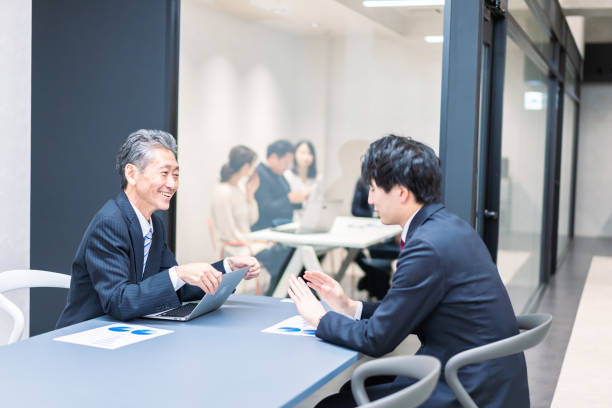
x=401 y=244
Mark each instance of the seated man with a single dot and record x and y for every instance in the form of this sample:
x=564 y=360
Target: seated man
x=446 y=289
x=274 y=197
x=123 y=266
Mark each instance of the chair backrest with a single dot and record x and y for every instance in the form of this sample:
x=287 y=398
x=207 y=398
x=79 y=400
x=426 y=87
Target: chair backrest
x=424 y=368
x=27 y=278
x=535 y=326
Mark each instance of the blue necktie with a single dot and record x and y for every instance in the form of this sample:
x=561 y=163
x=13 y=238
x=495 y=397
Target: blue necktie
x=147 y=245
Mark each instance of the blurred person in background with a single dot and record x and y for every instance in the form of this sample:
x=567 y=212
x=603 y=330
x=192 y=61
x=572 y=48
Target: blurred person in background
x=303 y=174
x=234 y=209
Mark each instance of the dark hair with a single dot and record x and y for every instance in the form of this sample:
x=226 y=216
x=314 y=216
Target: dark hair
x=137 y=148
x=312 y=169
x=281 y=148
x=394 y=160
x=238 y=157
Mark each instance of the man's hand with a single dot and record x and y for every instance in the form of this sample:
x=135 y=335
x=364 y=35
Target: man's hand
x=252 y=185
x=331 y=292
x=237 y=262
x=202 y=275
x=298 y=196
x=307 y=304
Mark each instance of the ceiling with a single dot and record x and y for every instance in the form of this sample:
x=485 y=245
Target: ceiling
x=316 y=17
x=597 y=16
x=341 y=17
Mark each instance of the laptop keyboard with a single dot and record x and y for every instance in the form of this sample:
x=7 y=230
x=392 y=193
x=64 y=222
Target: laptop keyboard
x=180 y=311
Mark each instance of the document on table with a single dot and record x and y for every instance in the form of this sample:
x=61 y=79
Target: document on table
x=113 y=336
x=294 y=326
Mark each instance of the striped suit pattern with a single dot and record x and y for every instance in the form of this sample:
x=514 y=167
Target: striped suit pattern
x=107 y=272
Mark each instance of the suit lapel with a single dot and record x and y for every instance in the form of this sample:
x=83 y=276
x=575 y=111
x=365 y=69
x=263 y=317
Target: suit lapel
x=135 y=234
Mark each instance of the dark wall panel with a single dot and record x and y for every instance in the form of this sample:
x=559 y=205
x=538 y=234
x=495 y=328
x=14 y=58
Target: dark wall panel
x=598 y=63
x=100 y=70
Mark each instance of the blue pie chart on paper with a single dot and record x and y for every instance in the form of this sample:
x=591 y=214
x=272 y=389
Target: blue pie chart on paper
x=143 y=332
x=289 y=329
x=120 y=328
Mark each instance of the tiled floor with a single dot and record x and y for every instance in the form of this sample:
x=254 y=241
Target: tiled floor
x=561 y=299
x=585 y=379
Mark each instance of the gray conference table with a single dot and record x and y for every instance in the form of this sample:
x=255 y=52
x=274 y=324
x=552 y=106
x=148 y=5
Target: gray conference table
x=217 y=360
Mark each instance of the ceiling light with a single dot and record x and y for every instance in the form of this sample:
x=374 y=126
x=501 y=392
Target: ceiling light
x=402 y=3
x=434 y=39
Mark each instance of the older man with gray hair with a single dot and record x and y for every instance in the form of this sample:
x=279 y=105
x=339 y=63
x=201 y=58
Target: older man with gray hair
x=123 y=266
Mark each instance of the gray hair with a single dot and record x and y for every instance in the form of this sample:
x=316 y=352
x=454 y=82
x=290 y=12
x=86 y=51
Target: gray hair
x=137 y=149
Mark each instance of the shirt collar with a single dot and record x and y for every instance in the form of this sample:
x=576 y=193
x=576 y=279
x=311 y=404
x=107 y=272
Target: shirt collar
x=407 y=226
x=144 y=224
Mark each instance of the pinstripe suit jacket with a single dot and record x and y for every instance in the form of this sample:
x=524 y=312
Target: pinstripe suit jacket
x=107 y=273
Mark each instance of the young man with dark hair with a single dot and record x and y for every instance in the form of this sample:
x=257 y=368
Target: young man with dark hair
x=446 y=289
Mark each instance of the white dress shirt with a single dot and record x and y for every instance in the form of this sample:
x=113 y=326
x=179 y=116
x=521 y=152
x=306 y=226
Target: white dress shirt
x=357 y=315
x=177 y=282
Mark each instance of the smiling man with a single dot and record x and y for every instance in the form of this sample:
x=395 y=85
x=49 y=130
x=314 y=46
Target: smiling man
x=123 y=266
x=446 y=289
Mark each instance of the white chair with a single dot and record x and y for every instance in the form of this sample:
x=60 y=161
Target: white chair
x=21 y=279
x=535 y=327
x=425 y=369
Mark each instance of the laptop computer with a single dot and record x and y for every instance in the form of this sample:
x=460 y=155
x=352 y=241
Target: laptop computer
x=208 y=303
x=318 y=217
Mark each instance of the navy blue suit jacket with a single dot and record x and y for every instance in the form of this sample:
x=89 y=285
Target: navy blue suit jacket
x=272 y=199
x=447 y=291
x=107 y=273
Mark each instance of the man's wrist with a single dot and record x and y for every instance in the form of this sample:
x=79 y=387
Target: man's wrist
x=351 y=306
x=318 y=320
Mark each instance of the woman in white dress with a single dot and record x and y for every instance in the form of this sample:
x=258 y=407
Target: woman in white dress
x=234 y=209
x=303 y=175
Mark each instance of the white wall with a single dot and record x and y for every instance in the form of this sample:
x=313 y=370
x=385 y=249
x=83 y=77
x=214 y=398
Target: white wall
x=15 y=68
x=378 y=84
x=244 y=85
x=594 y=169
x=246 y=82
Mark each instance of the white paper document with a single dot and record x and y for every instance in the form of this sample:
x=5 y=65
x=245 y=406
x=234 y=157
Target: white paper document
x=113 y=336
x=294 y=326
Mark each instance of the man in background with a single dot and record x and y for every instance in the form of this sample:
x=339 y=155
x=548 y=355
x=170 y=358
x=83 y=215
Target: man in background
x=275 y=200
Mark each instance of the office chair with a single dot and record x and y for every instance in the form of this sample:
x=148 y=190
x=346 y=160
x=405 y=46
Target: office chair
x=21 y=279
x=424 y=368
x=535 y=326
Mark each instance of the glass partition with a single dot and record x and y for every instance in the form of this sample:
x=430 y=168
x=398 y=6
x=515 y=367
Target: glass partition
x=522 y=177
x=565 y=181
x=331 y=72
x=521 y=12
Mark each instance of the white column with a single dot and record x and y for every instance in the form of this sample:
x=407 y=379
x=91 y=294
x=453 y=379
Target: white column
x=15 y=97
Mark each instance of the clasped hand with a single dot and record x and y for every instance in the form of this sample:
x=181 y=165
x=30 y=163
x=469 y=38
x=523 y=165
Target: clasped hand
x=207 y=278
x=237 y=262
x=328 y=289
